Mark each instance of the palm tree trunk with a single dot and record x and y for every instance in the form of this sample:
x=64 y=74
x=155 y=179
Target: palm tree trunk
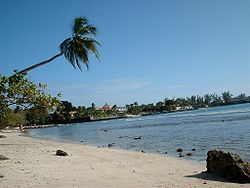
x=39 y=64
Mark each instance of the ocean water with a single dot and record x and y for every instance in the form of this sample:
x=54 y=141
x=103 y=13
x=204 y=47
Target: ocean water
x=226 y=128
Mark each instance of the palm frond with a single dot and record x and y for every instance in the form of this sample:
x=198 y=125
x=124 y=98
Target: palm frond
x=87 y=30
x=80 y=22
x=70 y=55
x=82 y=54
x=91 y=44
x=64 y=44
x=82 y=27
x=78 y=63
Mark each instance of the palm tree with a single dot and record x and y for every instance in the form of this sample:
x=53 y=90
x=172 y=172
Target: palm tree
x=75 y=48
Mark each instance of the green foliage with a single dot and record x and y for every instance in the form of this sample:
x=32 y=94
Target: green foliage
x=36 y=115
x=227 y=97
x=13 y=118
x=18 y=91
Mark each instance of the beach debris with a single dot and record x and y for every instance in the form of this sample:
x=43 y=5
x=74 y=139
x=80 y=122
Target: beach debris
x=179 y=150
x=228 y=165
x=189 y=154
x=61 y=153
x=137 y=138
x=2 y=136
x=166 y=152
x=1 y=176
x=193 y=149
x=2 y=157
x=143 y=151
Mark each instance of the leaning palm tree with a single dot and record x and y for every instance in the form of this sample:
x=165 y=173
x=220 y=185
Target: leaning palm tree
x=75 y=48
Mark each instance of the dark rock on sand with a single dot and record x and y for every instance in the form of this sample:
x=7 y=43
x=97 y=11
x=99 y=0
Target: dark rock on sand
x=61 y=153
x=189 y=154
x=228 y=165
x=2 y=157
x=179 y=150
x=2 y=136
x=193 y=149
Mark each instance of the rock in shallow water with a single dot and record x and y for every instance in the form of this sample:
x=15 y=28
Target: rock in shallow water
x=189 y=154
x=179 y=150
x=228 y=165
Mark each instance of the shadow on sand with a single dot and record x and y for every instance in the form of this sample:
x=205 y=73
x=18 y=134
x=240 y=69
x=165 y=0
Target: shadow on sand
x=208 y=176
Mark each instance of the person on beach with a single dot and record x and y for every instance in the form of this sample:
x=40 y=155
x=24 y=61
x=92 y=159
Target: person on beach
x=21 y=128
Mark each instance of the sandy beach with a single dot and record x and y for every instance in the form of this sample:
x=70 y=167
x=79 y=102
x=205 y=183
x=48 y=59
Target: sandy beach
x=32 y=163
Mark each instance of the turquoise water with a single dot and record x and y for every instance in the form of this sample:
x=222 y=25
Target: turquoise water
x=226 y=128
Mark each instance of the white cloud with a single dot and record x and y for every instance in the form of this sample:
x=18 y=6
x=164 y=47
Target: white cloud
x=108 y=86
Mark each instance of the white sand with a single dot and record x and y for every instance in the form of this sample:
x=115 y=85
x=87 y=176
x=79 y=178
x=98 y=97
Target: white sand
x=33 y=163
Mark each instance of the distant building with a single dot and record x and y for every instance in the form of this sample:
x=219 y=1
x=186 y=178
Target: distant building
x=122 y=109
x=106 y=107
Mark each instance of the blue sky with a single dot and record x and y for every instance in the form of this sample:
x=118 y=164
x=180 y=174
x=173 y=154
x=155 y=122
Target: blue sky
x=150 y=49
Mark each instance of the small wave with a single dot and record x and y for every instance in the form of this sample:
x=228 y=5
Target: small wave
x=198 y=114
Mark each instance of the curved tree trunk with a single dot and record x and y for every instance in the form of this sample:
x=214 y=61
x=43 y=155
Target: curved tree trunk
x=39 y=64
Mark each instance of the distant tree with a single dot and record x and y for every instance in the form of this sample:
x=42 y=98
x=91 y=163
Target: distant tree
x=135 y=104
x=200 y=101
x=75 y=48
x=227 y=97
x=67 y=106
x=169 y=104
x=193 y=100
x=181 y=102
x=114 y=107
x=93 y=106
x=242 y=96
x=207 y=99
x=216 y=100
x=160 y=106
x=81 y=111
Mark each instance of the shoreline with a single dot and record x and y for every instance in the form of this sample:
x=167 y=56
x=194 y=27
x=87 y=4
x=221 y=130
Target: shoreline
x=32 y=163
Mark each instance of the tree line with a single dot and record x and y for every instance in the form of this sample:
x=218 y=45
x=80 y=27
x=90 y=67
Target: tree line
x=188 y=103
